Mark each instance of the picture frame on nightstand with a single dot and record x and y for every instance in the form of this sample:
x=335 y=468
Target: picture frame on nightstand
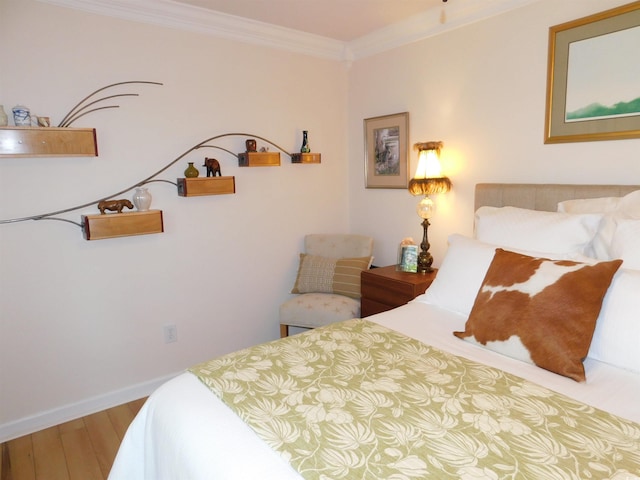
x=408 y=258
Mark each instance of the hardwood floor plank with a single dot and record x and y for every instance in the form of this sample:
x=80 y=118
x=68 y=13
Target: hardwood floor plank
x=77 y=424
x=21 y=458
x=120 y=417
x=81 y=449
x=104 y=439
x=136 y=405
x=49 y=455
x=81 y=458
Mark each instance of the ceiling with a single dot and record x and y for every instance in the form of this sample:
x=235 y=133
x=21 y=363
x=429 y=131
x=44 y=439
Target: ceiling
x=343 y=20
x=344 y=30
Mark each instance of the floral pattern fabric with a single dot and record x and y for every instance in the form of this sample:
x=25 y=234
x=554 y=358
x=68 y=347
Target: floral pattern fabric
x=356 y=400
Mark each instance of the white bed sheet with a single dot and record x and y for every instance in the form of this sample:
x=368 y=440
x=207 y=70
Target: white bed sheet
x=185 y=432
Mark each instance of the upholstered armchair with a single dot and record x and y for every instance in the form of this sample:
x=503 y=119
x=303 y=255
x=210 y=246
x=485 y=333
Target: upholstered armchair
x=327 y=286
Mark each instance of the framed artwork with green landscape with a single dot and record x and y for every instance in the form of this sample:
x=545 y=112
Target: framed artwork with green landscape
x=593 y=78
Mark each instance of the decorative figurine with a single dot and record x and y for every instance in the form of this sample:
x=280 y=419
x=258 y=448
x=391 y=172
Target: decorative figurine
x=251 y=145
x=213 y=167
x=114 y=205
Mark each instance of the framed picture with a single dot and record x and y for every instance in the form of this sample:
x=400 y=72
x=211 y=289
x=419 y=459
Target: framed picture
x=593 y=87
x=386 y=151
x=408 y=261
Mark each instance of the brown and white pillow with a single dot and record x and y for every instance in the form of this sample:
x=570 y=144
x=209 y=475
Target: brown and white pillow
x=318 y=274
x=539 y=310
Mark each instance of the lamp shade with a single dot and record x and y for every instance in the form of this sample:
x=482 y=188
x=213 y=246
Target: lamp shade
x=428 y=179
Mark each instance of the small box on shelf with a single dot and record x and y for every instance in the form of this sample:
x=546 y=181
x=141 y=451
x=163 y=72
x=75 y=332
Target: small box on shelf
x=192 y=187
x=259 y=159
x=112 y=225
x=305 y=158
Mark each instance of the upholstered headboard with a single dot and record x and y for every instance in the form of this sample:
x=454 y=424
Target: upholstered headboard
x=544 y=196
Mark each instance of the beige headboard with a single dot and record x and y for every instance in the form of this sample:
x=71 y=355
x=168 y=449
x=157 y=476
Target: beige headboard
x=544 y=196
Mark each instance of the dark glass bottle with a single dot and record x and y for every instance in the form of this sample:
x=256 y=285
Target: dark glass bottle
x=305 y=142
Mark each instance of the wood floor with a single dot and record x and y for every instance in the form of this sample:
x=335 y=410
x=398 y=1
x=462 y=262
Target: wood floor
x=81 y=449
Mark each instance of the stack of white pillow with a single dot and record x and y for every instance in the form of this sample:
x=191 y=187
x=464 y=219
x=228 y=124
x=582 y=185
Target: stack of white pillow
x=617 y=336
x=582 y=230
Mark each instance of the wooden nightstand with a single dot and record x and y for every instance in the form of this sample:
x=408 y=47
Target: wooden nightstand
x=385 y=288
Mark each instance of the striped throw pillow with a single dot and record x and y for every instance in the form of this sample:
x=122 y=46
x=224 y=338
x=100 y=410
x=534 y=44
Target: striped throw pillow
x=330 y=275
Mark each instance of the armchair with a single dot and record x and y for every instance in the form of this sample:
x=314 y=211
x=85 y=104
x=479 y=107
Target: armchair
x=328 y=281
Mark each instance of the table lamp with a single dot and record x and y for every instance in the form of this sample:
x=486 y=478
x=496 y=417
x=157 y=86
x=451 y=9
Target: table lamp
x=428 y=180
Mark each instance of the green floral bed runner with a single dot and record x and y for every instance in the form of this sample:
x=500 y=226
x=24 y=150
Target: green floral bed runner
x=356 y=400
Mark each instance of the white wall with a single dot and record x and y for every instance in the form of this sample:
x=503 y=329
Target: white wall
x=81 y=323
x=481 y=90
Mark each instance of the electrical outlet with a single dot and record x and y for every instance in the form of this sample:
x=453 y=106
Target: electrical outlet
x=170 y=333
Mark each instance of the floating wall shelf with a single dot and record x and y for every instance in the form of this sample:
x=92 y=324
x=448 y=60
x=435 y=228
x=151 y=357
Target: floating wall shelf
x=112 y=225
x=193 y=187
x=305 y=158
x=47 y=142
x=259 y=159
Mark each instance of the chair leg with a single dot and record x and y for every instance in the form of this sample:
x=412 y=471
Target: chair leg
x=284 y=330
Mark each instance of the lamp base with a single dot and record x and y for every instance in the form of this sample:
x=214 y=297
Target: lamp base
x=424 y=262
x=425 y=259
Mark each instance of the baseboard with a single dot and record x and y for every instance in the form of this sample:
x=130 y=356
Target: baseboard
x=56 y=416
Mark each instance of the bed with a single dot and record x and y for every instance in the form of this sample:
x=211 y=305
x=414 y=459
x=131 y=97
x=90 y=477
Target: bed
x=447 y=386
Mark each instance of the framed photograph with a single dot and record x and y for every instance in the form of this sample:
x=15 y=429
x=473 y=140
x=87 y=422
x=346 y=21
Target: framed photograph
x=386 y=151
x=593 y=87
x=408 y=261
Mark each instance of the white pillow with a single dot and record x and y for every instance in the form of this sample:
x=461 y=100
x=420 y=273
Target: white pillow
x=589 y=205
x=551 y=232
x=613 y=208
x=617 y=335
x=462 y=272
x=625 y=243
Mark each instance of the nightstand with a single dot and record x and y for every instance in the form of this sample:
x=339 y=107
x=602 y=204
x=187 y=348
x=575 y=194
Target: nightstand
x=385 y=288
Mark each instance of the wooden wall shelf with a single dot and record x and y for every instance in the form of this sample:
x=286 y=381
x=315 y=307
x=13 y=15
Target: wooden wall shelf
x=193 y=187
x=305 y=158
x=47 y=142
x=112 y=225
x=259 y=159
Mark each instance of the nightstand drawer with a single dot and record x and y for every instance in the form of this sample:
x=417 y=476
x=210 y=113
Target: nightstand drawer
x=388 y=291
x=371 y=307
x=385 y=288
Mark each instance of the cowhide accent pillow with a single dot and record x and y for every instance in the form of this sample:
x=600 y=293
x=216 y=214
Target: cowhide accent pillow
x=539 y=310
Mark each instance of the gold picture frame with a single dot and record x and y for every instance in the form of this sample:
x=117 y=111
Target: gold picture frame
x=593 y=92
x=386 y=151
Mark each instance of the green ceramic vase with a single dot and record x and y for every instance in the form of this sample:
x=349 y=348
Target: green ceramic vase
x=191 y=171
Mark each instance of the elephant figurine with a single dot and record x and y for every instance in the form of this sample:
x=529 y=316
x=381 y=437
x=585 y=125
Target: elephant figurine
x=114 y=205
x=213 y=167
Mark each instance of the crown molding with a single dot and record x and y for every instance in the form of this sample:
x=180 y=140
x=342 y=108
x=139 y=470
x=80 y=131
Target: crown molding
x=187 y=17
x=430 y=23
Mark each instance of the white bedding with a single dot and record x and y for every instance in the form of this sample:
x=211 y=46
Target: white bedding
x=184 y=432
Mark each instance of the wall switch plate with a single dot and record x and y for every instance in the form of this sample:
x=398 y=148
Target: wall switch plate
x=170 y=334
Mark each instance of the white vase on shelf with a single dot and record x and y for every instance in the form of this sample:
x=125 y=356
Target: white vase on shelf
x=21 y=116
x=142 y=199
